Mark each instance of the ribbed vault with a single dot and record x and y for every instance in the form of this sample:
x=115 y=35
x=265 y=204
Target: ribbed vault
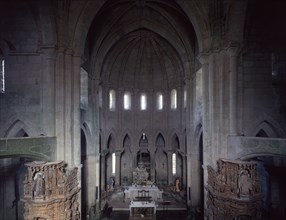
x=141 y=44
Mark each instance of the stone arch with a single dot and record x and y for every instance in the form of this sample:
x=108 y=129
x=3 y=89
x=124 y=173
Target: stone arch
x=111 y=141
x=143 y=140
x=160 y=141
x=267 y=128
x=198 y=149
x=175 y=142
x=268 y=124
x=127 y=132
x=18 y=129
x=5 y=47
x=85 y=128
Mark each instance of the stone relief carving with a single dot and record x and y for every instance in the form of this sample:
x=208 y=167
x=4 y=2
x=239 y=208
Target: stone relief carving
x=51 y=192
x=233 y=190
x=39 y=185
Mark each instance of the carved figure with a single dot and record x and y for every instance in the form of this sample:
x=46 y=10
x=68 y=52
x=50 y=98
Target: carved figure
x=110 y=184
x=39 y=185
x=177 y=185
x=245 y=183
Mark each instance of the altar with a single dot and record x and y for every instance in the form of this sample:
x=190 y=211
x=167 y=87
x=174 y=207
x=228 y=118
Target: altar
x=142 y=207
x=142 y=194
x=149 y=192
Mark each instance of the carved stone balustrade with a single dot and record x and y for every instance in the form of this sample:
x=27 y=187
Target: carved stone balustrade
x=50 y=192
x=234 y=191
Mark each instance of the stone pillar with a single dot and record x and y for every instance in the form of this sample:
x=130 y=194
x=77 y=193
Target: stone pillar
x=48 y=91
x=189 y=179
x=204 y=59
x=233 y=53
x=169 y=160
x=117 y=167
x=103 y=170
x=184 y=171
x=67 y=111
x=152 y=165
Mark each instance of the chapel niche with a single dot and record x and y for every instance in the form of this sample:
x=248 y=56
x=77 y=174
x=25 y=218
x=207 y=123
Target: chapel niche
x=50 y=192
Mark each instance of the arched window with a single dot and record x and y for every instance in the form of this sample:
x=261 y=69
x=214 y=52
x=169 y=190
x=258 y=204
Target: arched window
x=174 y=167
x=113 y=163
x=185 y=98
x=174 y=99
x=159 y=101
x=112 y=100
x=127 y=100
x=143 y=102
x=2 y=75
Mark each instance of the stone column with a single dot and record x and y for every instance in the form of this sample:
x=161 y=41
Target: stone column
x=204 y=59
x=48 y=91
x=184 y=171
x=103 y=169
x=152 y=165
x=189 y=179
x=117 y=167
x=233 y=53
x=169 y=167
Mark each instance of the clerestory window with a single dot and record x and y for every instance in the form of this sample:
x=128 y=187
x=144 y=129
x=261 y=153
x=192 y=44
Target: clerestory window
x=113 y=163
x=159 y=101
x=143 y=102
x=174 y=99
x=127 y=100
x=112 y=100
x=174 y=167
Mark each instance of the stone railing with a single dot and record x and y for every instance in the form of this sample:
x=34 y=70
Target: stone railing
x=241 y=147
x=40 y=148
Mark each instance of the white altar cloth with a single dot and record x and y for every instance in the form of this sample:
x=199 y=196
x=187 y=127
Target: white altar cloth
x=142 y=204
x=135 y=192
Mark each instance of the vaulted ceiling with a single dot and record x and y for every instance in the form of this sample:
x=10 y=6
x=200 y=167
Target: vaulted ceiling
x=141 y=44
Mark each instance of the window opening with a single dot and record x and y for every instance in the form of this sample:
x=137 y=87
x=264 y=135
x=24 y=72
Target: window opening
x=174 y=99
x=185 y=98
x=113 y=163
x=127 y=100
x=174 y=168
x=159 y=101
x=112 y=100
x=143 y=102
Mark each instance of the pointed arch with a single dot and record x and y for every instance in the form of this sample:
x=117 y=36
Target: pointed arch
x=111 y=145
x=266 y=129
x=111 y=141
x=124 y=134
x=175 y=142
x=160 y=141
x=126 y=141
x=17 y=129
x=143 y=141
